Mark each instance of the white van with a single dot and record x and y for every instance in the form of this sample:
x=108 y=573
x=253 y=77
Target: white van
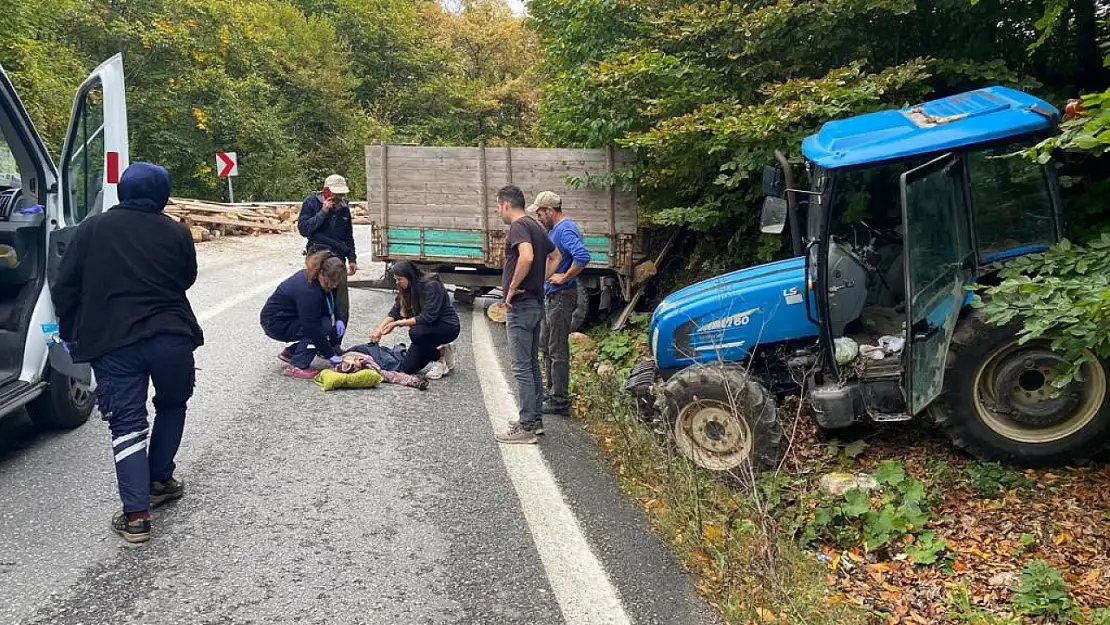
x=40 y=208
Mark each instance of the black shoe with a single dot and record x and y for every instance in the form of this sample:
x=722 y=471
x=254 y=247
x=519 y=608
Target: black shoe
x=286 y=355
x=558 y=410
x=165 y=492
x=137 y=531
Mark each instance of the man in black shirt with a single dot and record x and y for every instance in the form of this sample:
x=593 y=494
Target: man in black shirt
x=120 y=299
x=529 y=261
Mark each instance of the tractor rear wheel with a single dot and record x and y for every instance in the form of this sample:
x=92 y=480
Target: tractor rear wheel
x=1000 y=402
x=723 y=419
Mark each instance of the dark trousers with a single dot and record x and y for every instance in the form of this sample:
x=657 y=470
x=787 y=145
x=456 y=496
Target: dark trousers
x=304 y=352
x=123 y=377
x=426 y=340
x=558 y=317
x=343 y=300
x=523 y=328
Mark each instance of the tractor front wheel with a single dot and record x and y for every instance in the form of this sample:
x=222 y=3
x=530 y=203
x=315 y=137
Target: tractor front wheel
x=1001 y=403
x=723 y=418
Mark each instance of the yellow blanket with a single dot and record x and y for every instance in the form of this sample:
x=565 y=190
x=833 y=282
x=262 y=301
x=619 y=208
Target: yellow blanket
x=329 y=380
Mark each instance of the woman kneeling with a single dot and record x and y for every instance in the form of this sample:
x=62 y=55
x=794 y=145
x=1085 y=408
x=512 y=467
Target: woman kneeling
x=424 y=307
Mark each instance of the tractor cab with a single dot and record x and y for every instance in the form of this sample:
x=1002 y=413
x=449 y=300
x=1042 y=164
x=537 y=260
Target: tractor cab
x=900 y=214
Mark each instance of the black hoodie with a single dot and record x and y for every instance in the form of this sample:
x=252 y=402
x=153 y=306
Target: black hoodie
x=124 y=275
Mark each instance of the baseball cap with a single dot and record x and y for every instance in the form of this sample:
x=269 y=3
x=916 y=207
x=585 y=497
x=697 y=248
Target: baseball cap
x=337 y=184
x=545 y=199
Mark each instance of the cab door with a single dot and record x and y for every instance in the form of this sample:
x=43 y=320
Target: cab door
x=940 y=263
x=94 y=156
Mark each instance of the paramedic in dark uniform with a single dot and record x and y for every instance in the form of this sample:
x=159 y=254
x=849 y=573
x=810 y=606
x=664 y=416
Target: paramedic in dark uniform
x=120 y=298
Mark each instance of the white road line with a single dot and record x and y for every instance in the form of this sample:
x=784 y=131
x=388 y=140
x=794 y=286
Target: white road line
x=232 y=302
x=583 y=590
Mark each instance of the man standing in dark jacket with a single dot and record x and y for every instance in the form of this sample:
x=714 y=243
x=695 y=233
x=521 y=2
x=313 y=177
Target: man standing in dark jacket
x=120 y=298
x=325 y=220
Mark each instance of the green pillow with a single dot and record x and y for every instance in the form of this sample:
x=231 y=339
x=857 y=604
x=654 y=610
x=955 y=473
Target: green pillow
x=330 y=380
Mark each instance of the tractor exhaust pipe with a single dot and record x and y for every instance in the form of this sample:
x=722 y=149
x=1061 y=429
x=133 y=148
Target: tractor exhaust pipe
x=791 y=203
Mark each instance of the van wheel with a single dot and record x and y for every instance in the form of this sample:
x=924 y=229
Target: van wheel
x=723 y=418
x=64 y=405
x=1000 y=404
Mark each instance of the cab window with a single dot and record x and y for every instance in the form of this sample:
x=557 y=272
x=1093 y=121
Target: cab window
x=1011 y=200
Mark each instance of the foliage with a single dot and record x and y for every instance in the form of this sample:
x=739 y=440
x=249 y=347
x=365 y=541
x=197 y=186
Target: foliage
x=1043 y=591
x=706 y=91
x=1088 y=132
x=1063 y=296
x=295 y=87
x=990 y=479
x=623 y=349
x=895 y=517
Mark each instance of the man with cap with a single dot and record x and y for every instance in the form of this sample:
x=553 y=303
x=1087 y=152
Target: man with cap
x=121 y=304
x=561 y=297
x=325 y=220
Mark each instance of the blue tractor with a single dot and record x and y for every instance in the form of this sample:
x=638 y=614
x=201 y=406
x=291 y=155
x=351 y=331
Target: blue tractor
x=900 y=213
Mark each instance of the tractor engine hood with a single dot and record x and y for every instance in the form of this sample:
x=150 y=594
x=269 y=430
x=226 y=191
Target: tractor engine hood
x=724 y=319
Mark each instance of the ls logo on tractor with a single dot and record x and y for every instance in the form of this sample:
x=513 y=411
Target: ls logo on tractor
x=724 y=323
x=792 y=296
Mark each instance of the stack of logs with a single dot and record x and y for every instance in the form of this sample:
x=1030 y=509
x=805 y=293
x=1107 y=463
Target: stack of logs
x=209 y=220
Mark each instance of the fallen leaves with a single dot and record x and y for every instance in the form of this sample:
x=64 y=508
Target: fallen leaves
x=1061 y=519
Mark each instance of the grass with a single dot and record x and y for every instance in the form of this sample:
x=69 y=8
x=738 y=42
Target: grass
x=720 y=530
x=774 y=549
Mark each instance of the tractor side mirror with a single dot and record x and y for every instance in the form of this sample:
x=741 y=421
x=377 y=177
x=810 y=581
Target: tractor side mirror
x=774 y=181
x=773 y=220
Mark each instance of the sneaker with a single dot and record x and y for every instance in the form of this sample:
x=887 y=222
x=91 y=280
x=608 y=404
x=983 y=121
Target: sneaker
x=437 y=370
x=286 y=355
x=447 y=355
x=559 y=410
x=517 y=435
x=165 y=492
x=302 y=374
x=137 y=531
x=538 y=431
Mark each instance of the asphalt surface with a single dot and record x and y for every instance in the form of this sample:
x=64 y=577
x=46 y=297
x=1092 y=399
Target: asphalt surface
x=386 y=505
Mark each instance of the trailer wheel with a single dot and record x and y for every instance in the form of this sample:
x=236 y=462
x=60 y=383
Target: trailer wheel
x=723 y=418
x=999 y=402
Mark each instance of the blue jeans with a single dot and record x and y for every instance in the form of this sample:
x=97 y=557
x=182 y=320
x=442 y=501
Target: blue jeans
x=523 y=328
x=123 y=377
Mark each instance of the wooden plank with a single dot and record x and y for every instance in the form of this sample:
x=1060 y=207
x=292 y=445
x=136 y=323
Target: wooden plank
x=249 y=225
x=383 y=195
x=483 y=205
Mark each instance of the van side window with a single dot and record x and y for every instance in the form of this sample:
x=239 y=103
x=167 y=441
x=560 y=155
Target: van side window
x=86 y=168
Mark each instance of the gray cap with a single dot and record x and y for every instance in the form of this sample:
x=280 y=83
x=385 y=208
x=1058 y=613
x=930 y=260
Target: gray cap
x=545 y=199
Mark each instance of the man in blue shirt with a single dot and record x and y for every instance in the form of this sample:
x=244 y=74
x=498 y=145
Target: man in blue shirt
x=561 y=292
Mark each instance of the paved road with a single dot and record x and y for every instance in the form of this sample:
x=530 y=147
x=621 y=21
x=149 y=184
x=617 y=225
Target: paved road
x=386 y=506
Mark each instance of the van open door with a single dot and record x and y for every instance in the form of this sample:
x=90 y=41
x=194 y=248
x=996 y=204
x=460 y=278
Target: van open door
x=93 y=159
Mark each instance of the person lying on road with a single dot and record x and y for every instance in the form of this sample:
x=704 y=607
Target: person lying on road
x=424 y=307
x=302 y=312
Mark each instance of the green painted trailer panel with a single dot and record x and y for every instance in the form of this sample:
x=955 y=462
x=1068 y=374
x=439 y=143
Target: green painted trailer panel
x=466 y=245
x=462 y=244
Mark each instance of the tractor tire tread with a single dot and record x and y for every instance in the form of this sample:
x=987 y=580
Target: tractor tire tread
x=953 y=411
x=741 y=388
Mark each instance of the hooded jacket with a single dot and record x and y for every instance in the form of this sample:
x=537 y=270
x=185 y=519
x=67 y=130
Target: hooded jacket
x=124 y=275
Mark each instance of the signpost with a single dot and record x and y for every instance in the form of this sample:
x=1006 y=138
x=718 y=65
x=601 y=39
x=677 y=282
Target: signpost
x=227 y=165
